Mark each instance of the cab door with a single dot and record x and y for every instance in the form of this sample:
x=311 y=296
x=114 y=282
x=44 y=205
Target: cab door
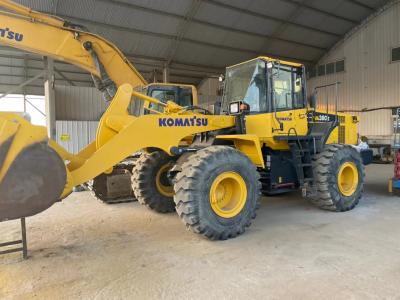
x=288 y=100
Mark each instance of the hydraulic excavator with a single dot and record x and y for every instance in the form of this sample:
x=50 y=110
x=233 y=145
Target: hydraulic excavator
x=210 y=168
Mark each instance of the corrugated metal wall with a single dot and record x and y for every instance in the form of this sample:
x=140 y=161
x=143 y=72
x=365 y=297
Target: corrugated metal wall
x=84 y=104
x=79 y=103
x=370 y=79
x=75 y=135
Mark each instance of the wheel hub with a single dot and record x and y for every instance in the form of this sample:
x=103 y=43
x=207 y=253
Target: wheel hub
x=348 y=178
x=228 y=194
x=162 y=182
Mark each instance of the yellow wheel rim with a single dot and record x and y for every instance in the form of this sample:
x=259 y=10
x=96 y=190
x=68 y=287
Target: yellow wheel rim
x=228 y=194
x=162 y=183
x=348 y=178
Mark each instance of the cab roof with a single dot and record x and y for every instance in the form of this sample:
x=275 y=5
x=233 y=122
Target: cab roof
x=271 y=59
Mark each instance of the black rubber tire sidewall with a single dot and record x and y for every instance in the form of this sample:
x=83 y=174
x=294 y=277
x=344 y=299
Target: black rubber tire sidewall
x=192 y=192
x=328 y=195
x=207 y=213
x=348 y=154
x=144 y=181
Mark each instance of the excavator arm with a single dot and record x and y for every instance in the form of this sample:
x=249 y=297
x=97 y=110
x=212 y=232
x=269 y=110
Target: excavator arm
x=35 y=172
x=35 y=32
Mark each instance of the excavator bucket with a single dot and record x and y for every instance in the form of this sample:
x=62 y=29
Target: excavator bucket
x=32 y=174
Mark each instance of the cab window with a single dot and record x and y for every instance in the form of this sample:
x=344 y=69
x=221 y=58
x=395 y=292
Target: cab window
x=288 y=89
x=163 y=96
x=185 y=97
x=298 y=100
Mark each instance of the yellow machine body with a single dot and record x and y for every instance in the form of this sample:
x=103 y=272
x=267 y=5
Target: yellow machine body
x=262 y=129
x=55 y=172
x=118 y=136
x=260 y=126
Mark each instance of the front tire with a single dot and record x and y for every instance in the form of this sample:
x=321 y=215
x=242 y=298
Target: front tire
x=217 y=193
x=338 y=178
x=150 y=183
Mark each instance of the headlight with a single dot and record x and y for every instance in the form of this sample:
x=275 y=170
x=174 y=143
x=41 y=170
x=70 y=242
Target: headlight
x=234 y=108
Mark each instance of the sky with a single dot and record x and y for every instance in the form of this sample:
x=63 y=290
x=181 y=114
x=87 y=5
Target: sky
x=15 y=103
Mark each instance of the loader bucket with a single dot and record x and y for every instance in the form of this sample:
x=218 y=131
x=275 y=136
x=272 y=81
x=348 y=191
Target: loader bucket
x=32 y=182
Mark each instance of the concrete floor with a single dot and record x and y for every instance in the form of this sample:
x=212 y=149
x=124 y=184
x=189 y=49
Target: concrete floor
x=83 y=249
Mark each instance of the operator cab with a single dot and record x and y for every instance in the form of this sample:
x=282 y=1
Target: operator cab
x=264 y=85
x=179 y=94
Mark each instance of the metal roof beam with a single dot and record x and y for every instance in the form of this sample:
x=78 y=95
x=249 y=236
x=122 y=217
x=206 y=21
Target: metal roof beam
x=23 y=76
x=153 y=61
x=37 y=68
x=183 y=27
x=159 y=72
x=64 y=77
x=171 y=37
x=267 y=17
x=18 y=86
x=174 y=78
x=359 y=3
x=326 y=13
x=201 y=22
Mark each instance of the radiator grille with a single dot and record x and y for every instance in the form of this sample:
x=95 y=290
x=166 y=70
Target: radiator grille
x=342 y=134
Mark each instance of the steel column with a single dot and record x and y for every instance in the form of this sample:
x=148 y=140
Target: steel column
x=49 y=96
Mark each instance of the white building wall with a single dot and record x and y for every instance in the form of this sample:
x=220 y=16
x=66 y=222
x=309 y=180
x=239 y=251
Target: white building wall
x=370 y=80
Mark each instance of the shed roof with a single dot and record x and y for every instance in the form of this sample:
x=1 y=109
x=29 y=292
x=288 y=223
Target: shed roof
x=198 y=38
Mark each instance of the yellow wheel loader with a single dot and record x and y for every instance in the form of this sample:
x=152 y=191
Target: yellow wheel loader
x=116 y=187
x=266 y=139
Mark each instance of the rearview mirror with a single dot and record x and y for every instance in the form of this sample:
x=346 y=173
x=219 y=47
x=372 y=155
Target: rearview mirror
x=313 y=101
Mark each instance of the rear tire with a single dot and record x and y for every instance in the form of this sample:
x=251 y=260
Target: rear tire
x=150 y=184
x=338 y=178
x=217 y=193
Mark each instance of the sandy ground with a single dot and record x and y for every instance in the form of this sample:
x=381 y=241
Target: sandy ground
x=83 y=249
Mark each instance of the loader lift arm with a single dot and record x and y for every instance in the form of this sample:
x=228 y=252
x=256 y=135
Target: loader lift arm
x=35 y=172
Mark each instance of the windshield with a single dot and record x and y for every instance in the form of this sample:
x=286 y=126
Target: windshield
x=247 y=82
x=162 y=95
x=184 y=97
